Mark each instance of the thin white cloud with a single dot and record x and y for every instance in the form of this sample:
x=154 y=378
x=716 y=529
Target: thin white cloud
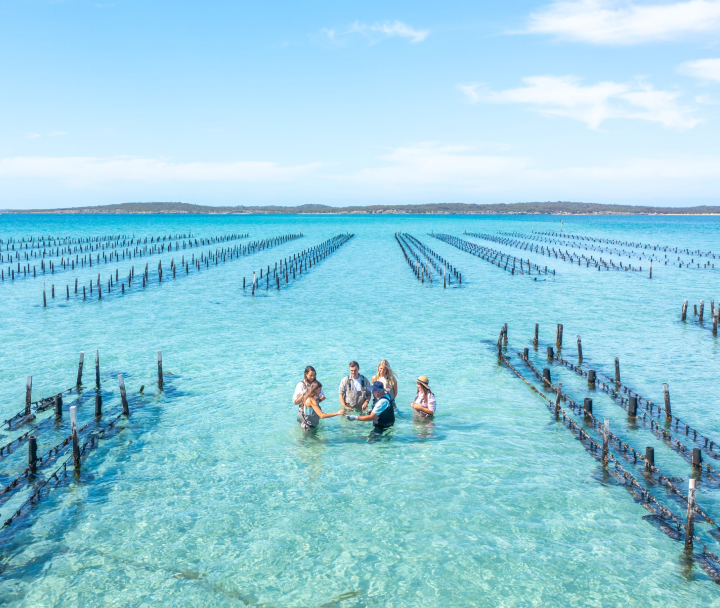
x=31 y=135
x=85 y=170
x=431 y=163
x=703 y=69
x=622 y=22
x=593 y=104
x=56 y=133
x=385 y=29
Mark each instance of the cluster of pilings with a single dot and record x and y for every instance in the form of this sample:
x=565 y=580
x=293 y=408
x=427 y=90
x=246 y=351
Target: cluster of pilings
x=81 y=254
x=584 y=246
x=565 y=256
x=664 y=248
x=700 y=314
x=422 y=260
x=496 y=258
x=582 y=420
x=70 y=449
x=204 y=260
x=291 y=268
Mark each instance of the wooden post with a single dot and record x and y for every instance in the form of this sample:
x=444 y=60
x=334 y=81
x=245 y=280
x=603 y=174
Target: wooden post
x=98 y=405
x=617 y=371
x=44 y=296
x=696 y=457
x=97 y=369
x=58 y=406
x=649 y=458
x=557 y=400
x=123 y=396
x=535 y=339
x=579 y=349
x=666 y=393
x=550 y=353
x=684 y=310
x=28 y=395
x=651 y=269
x=632 y=406
x=559 y=337
x=74 y=432
x=80 y=367
x=606 y=438
x=702 y=309
x=160 y=371
x=32 y=452
x=587 y=406
x=505 y=334
x=690 y=525
x=715 y=321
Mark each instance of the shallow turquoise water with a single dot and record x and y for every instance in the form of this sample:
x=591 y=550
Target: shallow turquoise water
x=212 y=494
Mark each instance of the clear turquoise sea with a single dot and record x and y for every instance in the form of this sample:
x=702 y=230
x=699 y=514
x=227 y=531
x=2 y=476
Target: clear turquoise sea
x=211 y=494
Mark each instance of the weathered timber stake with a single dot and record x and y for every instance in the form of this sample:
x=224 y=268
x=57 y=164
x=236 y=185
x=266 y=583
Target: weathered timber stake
x=80 y=366
x=123 y=396
x=28 y=395
x=74 y=432
x=32 y=452
x=97 y=369
x=690 y=525
x=160 y=370
x=649 y=458
x=579 y=343
x=666 y=394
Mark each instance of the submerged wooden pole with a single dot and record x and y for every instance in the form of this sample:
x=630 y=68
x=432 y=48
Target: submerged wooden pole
x=28 y=395
x=690 y=525
x=97 y=369
x=80 y=368
x=74 y=432
x=123 y=396
x=579 y=343
x=666 y=394
x=160 y=370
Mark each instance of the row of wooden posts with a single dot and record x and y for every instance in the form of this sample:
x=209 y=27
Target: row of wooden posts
x=664 y=248
x=649 y=458
x=714 y=311
x=491 y=255
x=69 y=264
x=32 y=439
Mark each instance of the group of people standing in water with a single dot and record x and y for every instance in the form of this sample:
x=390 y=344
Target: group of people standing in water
x=373 y=400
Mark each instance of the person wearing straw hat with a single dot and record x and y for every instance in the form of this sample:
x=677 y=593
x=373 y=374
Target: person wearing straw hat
x=424 y=403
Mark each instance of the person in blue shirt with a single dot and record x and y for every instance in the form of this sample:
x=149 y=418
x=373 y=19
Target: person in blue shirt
x=382 y=414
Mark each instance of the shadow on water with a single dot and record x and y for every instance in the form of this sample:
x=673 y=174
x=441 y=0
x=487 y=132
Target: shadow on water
x=145 y=414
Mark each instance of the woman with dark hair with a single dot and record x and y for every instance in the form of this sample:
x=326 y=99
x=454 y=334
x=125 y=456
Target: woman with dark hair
x=310 y=413
x=303 y=386
x=424 y=403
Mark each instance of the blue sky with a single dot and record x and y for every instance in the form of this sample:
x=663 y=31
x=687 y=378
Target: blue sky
x=228 y=103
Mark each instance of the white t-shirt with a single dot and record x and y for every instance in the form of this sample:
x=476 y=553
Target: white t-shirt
x=356 y=383
x=301 y=389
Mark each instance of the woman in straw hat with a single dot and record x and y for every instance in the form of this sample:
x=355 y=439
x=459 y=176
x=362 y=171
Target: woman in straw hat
x=424 y=403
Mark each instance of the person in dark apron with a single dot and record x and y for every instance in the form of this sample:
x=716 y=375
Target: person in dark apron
x=382 y=414
x=310 y=413
x=354 y=392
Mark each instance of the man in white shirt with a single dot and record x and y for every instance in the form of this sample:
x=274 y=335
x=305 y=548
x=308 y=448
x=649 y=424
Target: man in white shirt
x=354 y=389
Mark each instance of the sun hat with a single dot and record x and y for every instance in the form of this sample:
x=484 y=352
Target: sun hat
x=377 y=387
x=424 y=381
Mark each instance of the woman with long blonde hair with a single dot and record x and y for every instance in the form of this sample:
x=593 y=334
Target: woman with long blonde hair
x=386 y=375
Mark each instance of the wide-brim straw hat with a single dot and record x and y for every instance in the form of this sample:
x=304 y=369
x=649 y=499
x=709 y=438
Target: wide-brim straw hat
x=424 y=381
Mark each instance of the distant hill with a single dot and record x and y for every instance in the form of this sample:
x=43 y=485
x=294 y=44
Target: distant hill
x=558 y=208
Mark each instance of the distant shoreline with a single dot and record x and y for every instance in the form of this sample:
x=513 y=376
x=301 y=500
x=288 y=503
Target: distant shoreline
x=545 y=208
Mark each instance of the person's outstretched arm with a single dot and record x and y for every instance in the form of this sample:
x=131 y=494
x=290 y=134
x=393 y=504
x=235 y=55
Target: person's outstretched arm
x=322 y=414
